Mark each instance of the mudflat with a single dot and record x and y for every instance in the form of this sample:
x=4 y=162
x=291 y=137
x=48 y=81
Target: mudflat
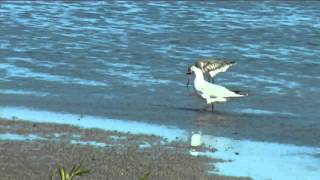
x=35 y=150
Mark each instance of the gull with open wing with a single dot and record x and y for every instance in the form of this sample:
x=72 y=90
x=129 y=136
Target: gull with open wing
x=211 y=92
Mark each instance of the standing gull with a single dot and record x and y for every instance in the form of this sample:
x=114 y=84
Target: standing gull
x=212 y=93
x=211 y=67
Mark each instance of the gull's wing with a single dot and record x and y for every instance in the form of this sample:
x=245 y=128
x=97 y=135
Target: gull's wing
x=211 y=67
x=217 y=91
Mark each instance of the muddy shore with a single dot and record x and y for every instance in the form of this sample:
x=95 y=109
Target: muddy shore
x=108 y=154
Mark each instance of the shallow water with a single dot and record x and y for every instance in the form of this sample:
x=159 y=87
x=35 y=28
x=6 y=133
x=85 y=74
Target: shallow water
x=136 y=53
x=127 y=60
x=17 y=137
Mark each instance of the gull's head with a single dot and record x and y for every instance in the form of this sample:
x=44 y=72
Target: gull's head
x=188 y=73
x=194 y=69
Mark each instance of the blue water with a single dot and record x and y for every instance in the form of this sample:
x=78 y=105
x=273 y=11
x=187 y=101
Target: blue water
x=127 y=60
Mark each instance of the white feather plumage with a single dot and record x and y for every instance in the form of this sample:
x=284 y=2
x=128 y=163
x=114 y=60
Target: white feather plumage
x=212 y=93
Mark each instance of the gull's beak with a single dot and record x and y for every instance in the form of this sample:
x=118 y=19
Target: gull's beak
x=188 y=82
x=188 y=73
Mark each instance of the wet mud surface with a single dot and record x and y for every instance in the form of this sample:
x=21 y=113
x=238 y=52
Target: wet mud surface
x=125 y=156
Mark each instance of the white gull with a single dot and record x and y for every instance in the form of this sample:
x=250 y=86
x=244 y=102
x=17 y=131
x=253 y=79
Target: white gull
x=212 y=93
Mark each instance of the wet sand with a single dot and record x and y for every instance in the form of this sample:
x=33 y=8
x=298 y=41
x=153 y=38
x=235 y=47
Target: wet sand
x=257 y=127
x=108 y=154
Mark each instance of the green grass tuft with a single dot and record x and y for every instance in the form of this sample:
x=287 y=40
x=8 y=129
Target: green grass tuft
x=77 y=170
x=145 y=176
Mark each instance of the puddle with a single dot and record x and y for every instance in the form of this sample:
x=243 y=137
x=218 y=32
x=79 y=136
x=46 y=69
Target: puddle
x=88 y=143
x=33 y=137
x=18 y=137
x=263 y=160
x=170 y=133
x=145 y=145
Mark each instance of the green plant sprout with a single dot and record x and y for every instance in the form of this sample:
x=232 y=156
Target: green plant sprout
x=145 y=176
x=74 y=172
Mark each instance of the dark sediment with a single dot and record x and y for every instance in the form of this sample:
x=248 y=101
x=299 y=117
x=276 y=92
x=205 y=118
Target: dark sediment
x=122 y=158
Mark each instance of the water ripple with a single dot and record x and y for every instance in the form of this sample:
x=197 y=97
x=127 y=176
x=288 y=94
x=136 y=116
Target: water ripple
x=116 y=45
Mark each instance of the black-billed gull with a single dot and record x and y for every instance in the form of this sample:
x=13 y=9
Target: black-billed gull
x=211 y=92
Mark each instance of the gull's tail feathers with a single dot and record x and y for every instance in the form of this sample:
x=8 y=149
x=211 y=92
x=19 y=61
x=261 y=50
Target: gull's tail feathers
x=240 y=92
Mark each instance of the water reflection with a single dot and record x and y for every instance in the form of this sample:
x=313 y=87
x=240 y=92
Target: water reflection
x=196 y=139
x=259 y=160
